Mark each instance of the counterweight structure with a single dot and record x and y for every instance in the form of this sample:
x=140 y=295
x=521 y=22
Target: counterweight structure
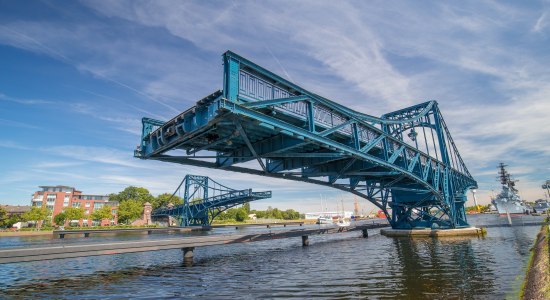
x=404 y=162
x=204 y=199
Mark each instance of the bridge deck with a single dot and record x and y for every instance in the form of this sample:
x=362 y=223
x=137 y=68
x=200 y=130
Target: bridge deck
x=25 y=254
x=86 y=233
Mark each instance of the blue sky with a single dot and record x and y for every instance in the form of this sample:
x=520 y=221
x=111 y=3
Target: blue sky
x=76 y=78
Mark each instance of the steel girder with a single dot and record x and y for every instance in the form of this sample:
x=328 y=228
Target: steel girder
x=204 y=199
x=405 y=161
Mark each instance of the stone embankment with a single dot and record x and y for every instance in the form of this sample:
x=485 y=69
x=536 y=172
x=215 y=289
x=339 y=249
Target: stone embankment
x=537 y=279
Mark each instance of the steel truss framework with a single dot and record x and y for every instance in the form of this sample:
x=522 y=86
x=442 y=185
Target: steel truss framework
x=404 y=162
x=204 y=199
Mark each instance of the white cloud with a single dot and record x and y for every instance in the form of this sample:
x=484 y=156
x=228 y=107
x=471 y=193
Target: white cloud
x=13 y=145
x=541 y=23
x=24 y=101
x=486 y=64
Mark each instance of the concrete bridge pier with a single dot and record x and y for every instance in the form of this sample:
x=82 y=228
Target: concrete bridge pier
x=188 y=255
x=365 y=233
x=305 y=240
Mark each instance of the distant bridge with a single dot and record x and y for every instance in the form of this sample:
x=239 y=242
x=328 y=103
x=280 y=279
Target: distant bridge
x=405 y=162
x=204 y=199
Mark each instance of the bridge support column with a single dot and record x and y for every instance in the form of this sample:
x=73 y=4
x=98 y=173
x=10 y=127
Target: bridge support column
x=87 y=234
x=305 y=240
x=365 y=233
x=61 y=236
x=188 y=254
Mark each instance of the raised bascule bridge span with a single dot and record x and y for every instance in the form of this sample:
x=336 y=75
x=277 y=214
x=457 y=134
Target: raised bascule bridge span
x=404 y=162
x=204 y=199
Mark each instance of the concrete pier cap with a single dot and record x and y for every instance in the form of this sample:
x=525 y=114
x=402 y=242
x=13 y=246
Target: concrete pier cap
x=428 y=232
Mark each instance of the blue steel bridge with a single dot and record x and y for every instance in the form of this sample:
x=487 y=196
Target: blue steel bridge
x=204 y=199
x=404 y=162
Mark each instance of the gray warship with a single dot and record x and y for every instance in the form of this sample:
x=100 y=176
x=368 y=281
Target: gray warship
x=508 y=201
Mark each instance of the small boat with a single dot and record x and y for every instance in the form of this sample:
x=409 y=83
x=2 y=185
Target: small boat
x=341 y=219
x=343 y=223
x=325 y=220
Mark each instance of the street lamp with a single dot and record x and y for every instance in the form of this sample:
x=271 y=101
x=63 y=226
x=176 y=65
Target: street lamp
x=475 y=200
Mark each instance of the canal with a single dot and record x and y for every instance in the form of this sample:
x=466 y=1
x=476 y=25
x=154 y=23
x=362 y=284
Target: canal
x=334 y=266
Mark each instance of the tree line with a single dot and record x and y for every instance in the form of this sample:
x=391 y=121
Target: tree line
x=241 y=214
x=131 y=201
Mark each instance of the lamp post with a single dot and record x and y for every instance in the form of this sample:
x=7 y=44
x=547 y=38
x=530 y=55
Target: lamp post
x=547 y=187
x=475 y=200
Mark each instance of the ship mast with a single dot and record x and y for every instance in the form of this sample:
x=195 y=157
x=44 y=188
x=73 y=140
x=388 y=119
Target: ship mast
x=505 y=178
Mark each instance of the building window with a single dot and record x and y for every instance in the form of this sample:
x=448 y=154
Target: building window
x=51 y=197
x=87 y=204
x=39 y=204
x=113 y=211
x=76 y=204
x=98 y=205
x=87 y=211
x=66 y=201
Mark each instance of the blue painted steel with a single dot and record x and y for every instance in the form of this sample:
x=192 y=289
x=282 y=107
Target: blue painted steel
x=405 y=161
x=204 y=199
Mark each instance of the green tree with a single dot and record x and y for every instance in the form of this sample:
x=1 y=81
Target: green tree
x=60 y=218
x=241 y=215
x=246 y=207
x=37 y=214
x=230 y=214
x=260 y=214
x=3 y=217
x=102 y=213
x=74 y=213
x=290 y=214
x=139 y=194
x=12 y=220
x=129 y=210
x=163 y=200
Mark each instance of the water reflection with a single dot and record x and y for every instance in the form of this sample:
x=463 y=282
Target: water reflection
x=442 y=267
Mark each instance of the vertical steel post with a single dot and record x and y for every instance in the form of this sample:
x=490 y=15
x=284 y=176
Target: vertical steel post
x=356 y=142
x=230 y=78
x=310 y=116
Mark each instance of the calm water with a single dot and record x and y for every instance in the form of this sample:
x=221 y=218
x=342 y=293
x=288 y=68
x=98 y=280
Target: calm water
x=334 y=266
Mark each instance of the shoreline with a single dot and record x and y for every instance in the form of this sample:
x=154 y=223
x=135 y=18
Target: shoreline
x=537 y=278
